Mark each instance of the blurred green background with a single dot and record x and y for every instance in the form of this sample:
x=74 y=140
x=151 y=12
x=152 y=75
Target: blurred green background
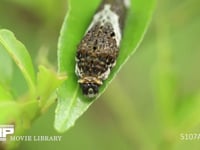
x=154 y=98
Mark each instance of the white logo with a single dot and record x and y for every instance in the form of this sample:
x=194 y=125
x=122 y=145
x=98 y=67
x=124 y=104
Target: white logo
x=6 y=130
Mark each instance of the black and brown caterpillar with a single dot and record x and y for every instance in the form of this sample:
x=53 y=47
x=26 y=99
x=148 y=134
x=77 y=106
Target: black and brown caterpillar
x=99 y=48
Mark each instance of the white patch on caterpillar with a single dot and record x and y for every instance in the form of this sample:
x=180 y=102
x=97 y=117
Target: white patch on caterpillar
x=127 y=3
x=108 y=16
x=78 y=71
x=105 y=75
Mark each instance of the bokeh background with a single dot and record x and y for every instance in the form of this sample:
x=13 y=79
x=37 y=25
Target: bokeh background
x=153 y=100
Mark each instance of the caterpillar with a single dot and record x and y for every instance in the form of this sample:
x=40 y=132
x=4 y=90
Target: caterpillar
x=97 y=52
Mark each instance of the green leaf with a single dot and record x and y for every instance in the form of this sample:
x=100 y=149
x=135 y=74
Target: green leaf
x=20 y=55
x=6 y=67
x=71 y=103
x=47 y=82
x=9 y=112
x=5 y=95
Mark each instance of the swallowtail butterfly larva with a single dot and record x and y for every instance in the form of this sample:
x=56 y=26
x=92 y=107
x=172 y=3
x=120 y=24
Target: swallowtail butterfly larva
x=99 y=48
